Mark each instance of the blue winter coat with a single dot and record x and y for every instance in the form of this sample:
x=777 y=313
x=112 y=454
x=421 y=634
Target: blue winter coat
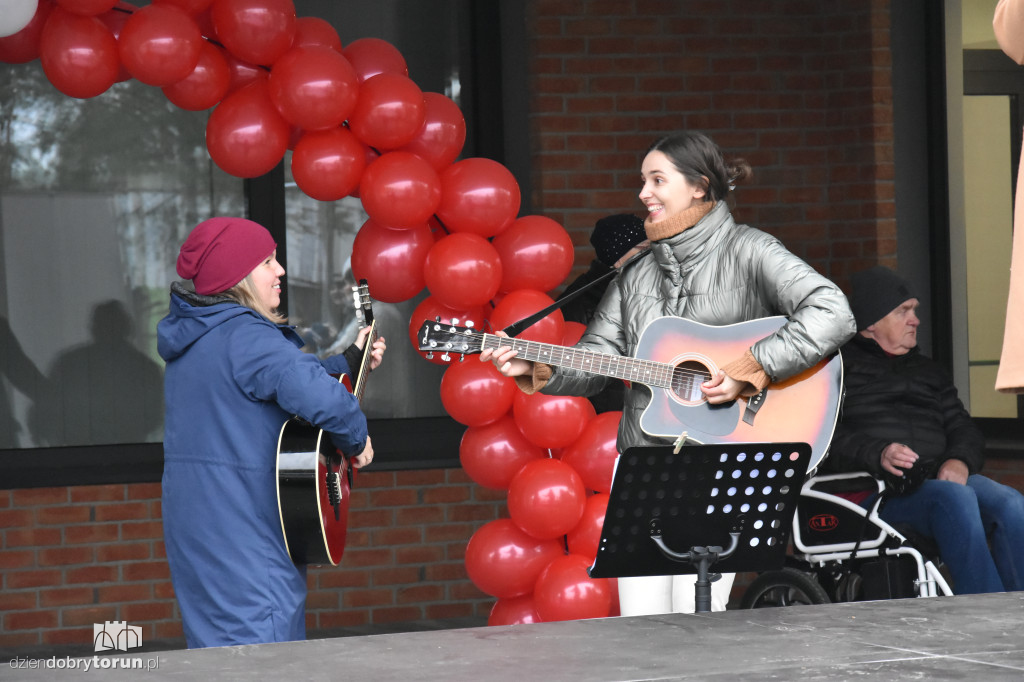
x=232 y=379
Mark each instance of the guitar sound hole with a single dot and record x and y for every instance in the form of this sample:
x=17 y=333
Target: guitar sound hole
x=686 y=380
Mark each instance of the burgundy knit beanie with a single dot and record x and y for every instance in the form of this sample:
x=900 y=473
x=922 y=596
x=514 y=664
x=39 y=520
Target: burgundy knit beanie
x=220 y=252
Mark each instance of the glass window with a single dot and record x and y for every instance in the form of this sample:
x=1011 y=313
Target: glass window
x=96 y=197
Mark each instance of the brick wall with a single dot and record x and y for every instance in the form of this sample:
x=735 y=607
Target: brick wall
x=799 y=88
x=71 y=557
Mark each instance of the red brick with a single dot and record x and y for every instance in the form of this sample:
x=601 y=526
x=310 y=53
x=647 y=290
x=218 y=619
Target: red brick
x=396 y=614
x=129 y=511
x=124 y=592
x=98 y=493
x=17 y=559
x=18 y=601
x=344 y=619
x=90 y=533
x=364 y=598
x=16 y=580
x=70 y=596
x=88 y=615
x=31 y=537
x=36 y=497
x=146 y=571
x=30 y=620
x=61 y=516
x=66 y=556
x=123 y=551
x=91 y=574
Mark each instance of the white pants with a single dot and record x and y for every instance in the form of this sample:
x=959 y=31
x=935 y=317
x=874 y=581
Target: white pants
x=669 y=594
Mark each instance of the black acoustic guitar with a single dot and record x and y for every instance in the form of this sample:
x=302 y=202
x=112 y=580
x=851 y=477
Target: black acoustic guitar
x=314 y=480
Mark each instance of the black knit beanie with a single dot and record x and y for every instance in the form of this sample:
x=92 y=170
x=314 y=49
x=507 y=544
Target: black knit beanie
x=615 y=235
x=876 y=292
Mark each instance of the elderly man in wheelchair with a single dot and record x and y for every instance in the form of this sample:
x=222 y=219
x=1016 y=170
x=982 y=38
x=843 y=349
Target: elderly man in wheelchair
x=900 y=488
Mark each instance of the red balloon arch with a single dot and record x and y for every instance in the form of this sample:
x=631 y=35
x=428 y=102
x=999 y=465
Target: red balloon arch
x=360 y=126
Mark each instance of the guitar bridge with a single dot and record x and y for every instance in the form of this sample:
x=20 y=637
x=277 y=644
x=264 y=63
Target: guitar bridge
x=333 y=483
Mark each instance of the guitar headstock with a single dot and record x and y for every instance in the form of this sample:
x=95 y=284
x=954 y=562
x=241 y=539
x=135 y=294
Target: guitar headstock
x=435 y=335
x=361 y=297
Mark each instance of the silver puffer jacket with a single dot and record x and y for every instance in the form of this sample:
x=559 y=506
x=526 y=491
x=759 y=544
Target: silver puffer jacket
x=717 y=273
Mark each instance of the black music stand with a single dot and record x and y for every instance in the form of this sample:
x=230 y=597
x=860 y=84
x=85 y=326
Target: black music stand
x=671 y=513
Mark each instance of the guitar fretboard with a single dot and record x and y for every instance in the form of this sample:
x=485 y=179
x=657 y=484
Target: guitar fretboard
x=647 y=372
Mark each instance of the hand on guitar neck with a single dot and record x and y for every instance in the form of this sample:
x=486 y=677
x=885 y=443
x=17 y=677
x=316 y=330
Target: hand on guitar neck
x=721 y=388
x=378 y=346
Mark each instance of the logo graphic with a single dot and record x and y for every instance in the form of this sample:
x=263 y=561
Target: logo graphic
x=116 y=635
x=823 y=522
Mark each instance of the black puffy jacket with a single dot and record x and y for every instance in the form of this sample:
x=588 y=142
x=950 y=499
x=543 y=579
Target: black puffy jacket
x=906 y=399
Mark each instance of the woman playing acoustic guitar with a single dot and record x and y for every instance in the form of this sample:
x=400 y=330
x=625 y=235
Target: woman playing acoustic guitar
x=707 y=268
x=234 y=375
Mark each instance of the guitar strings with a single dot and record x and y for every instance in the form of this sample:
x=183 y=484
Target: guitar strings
x=655 y=373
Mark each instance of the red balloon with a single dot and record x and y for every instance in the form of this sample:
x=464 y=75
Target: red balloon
x=327 y=164
x=391 y=261
x=313 y=87
x=573 y=333
x=245 y=135
x=463 y=271
x=192 y=7
x=474 y=393
x=536 y=253
x=400 y=190
x=564 y=591
x=371 y=56
x=551 y=421
x=504 y=562
x=206 y=85
x=593 y=454
x=115 y=20
x=478 y=196
x=546 y=498
x=78 y=54
x=492 y=454
x=520 y=304
x=389 y=111
x=585 y=538
x=160 y=44
x=87 y=8
x=432 y=309
x=310 y=31
x=255 y=31
x=443 y=134
x=243 y=73
x=514 y=611
x=23 y=46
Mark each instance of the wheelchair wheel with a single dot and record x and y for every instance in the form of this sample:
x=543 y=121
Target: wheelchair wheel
x=788 y=587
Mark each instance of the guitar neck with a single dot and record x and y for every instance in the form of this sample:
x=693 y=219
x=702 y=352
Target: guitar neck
x=647 y=372
x=364 y=366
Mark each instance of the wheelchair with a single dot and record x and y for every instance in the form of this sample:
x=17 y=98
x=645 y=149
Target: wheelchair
x=842 y=552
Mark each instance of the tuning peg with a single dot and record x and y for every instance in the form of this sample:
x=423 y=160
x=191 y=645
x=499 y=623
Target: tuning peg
x=469 y=323
x=462 y=358
x=455 y=320
x=429 y=355
x=446 y=357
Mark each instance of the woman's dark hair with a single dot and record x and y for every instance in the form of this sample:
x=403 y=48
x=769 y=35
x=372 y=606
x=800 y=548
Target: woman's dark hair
x=700 y=161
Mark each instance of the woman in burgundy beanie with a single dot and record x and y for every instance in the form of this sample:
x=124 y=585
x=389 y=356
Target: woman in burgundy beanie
x=235 y=374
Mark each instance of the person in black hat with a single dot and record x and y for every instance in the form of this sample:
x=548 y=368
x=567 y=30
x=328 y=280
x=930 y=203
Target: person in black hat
x=616 y=238
x=903 y=423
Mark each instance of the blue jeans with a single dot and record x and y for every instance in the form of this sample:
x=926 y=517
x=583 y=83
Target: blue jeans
x=978 y=527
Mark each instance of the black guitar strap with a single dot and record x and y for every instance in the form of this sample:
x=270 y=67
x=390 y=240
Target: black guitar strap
x=517 y=328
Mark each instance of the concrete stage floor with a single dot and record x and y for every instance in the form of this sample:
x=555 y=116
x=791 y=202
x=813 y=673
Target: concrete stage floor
x=977 y=637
